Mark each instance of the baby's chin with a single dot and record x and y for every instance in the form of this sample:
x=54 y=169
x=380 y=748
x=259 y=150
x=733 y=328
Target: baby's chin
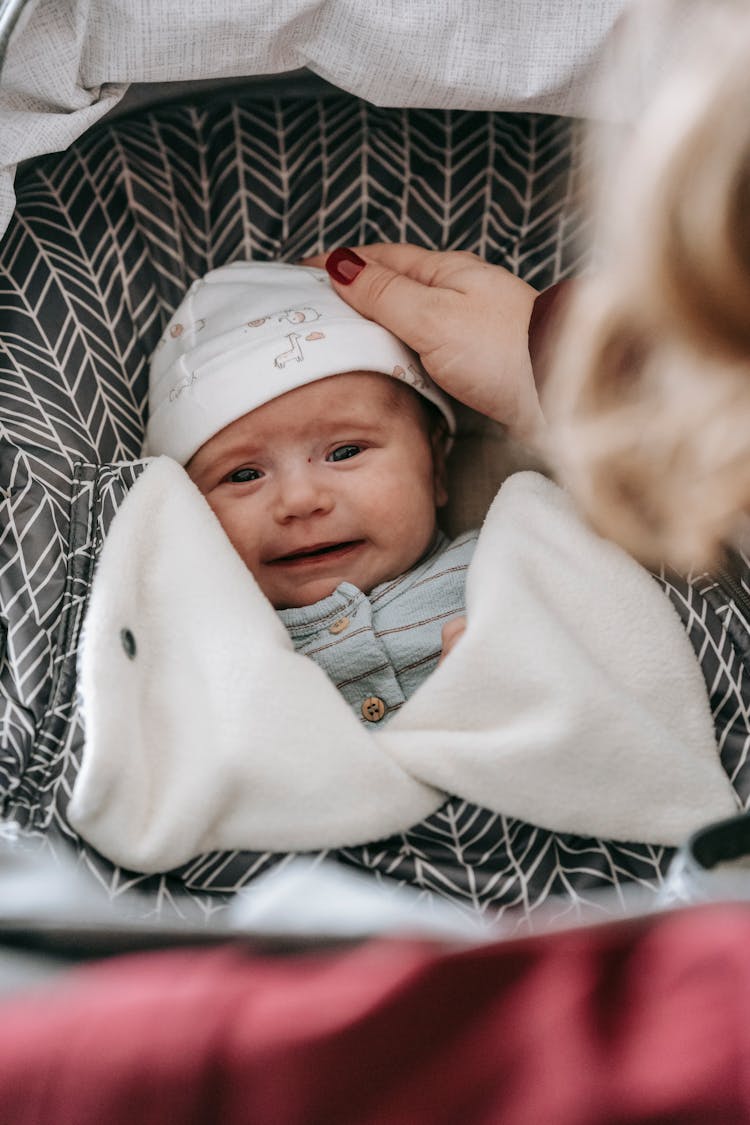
x=302 y=598
x=307 y=593
x=316 y=589
x=306 y=590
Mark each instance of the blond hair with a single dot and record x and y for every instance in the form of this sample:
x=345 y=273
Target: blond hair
x=649 y=391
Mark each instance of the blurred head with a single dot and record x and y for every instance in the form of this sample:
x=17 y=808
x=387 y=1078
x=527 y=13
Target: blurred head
x=335 y=481
x=649 y=392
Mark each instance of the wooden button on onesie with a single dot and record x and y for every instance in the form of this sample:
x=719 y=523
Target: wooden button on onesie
x=373 y=709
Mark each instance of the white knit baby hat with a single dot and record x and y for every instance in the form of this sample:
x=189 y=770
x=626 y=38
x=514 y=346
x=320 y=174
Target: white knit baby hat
x=251 y=331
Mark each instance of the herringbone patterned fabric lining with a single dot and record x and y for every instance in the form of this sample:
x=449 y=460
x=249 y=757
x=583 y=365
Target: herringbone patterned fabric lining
x=720 y=636
x=104 y=243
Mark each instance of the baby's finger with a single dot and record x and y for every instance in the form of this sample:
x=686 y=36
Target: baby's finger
x=412 y=310
x=451 y=632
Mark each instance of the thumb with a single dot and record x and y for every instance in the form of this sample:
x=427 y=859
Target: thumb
x=406 y=307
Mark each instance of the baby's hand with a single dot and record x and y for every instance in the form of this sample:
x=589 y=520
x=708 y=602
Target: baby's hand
x=467 y=320
x=452 y=630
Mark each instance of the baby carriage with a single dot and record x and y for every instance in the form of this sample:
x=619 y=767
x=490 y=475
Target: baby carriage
x=106 y=237
x=278 y=135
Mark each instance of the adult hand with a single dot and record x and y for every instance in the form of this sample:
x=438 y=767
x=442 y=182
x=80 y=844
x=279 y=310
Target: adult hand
x=467 y=320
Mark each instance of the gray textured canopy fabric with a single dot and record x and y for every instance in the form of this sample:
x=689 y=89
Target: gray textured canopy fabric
x=70 y=62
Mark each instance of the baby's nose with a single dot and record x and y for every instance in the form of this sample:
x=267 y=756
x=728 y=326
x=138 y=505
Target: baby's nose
x=301 y=494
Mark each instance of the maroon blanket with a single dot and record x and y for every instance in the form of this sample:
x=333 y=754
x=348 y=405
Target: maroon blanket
x=645 y=1021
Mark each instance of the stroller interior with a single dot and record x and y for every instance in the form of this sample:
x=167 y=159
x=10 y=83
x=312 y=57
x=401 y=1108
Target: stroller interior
x=153 y=151
x=105 y=240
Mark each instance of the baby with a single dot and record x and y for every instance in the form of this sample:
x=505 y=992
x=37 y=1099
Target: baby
x=319 y=442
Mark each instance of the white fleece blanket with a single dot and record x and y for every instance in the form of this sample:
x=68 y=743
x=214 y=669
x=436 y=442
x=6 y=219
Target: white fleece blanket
x=572 y=701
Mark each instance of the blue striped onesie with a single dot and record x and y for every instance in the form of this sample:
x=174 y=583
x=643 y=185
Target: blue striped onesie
x=378 y=648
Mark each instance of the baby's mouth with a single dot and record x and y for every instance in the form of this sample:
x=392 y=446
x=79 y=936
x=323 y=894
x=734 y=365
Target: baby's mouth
x=318 y=552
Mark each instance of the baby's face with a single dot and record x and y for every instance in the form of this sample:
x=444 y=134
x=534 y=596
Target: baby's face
x=332 y=482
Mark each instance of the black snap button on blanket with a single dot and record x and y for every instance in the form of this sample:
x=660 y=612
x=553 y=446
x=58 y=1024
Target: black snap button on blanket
x=127 y=640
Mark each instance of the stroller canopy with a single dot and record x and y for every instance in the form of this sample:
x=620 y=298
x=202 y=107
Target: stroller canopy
x=65 y=65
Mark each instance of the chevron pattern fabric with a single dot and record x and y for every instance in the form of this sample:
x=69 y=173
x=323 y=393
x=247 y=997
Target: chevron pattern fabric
x=105 y=241
x=720 y=635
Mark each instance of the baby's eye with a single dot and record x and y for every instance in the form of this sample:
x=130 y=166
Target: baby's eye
x=344 y=451
x=244 y=476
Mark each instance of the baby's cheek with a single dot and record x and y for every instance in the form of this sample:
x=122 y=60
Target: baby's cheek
x=236 y=530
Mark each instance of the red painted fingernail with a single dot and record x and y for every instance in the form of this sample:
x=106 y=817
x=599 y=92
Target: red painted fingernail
x=343 y=265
